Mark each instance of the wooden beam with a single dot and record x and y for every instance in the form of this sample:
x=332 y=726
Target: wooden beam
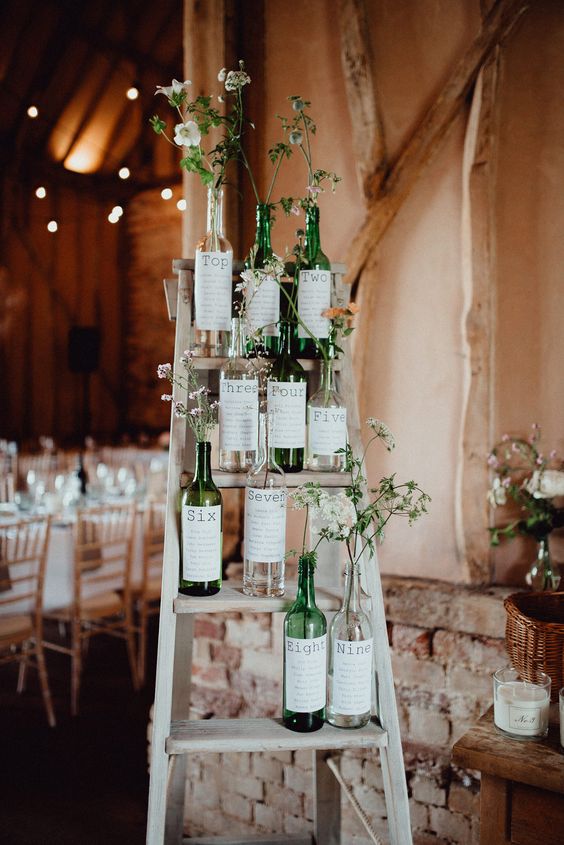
x=367 y=128
x=434 y=127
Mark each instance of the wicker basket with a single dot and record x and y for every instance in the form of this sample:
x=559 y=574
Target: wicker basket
x=534 y=636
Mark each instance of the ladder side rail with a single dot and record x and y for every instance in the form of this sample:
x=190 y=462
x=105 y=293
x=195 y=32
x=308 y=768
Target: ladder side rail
x=395 y=785
x=169 y=586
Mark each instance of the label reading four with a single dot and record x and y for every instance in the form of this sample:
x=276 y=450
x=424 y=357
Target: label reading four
x=201 y=543
x=265 y=524
x=314 y=296
x=238 y=415
x=287 y=403
x=213 y=290
x=306 y=673
x=352 y=677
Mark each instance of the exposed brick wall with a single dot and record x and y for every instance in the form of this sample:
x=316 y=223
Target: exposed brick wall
x=446 y=641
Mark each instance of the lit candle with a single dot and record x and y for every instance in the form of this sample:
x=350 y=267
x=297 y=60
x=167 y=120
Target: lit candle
x=520 y=708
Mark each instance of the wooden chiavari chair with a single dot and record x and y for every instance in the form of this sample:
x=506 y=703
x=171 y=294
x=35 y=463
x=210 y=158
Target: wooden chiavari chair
x=102 y=602
x=148 y=599
x=7 y=488
x=23 y=553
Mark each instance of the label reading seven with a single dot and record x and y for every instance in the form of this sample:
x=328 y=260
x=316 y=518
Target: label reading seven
x=265 y=524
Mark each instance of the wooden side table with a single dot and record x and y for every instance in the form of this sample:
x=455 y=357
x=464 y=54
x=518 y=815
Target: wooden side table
x=522 y=784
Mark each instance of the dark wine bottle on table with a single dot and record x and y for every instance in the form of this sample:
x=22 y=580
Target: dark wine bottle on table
x=305 y=656
x=201 y=533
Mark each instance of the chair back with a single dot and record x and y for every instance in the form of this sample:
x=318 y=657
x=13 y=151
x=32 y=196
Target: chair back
x=103 y=549
x=153 y=541
x=7 y=488
x=23 y=553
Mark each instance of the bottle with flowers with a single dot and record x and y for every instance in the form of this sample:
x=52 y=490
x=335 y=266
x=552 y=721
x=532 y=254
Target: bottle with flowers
x=201 y=503
x=534 y=482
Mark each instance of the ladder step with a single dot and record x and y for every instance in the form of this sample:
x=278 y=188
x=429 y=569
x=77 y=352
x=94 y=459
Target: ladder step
x=225 y=735
x=293 y=479
x=202 y=362
x=232 y=597
x=265 y=839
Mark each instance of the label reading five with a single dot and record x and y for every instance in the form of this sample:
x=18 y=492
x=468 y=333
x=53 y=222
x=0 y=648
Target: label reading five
x=201 y=543
x=238 y=415
x=265 y=524
x=352 y=677
x=213 y=290
x=306 y=674
x=314 y=296
x=327 y=430
x=286 y=401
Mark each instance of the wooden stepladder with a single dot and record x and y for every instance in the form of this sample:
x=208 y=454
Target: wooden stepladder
x=174 y=734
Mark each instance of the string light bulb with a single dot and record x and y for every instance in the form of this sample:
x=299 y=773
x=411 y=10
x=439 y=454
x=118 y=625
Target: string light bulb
x=132 y=93
x=124 y=173
x=33 y=111
x=113 y=218
x=117 y=211
x=40 y=192
x=166 y=193
x=52 y=225
x=181 y=205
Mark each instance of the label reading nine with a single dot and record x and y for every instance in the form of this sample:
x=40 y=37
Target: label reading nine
x=352 y=677
x=306 y=674
x=201 y=543
x=213 y=290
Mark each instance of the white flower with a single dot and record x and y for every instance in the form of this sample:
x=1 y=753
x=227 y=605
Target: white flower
x=545 y=484
x=382 y=431
x=295 y=137
x=497 y=495
x=176 y=88
x=222 y=74
x=187 y=134
x=236 y=79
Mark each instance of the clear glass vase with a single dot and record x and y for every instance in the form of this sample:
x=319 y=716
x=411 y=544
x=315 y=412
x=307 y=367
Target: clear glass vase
x=213 y=284
x=238 y=407
x=326 y=425
x=543 y=574
x=350 y=670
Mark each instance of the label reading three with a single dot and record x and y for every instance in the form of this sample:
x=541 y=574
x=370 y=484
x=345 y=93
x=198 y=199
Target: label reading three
x=306 y=674
x=265 y=524
x=213 y=290
x=352 y=677
x=201 y=543
x=287 y=403
x=238 y=415
x=314 y=296
x=327 y=430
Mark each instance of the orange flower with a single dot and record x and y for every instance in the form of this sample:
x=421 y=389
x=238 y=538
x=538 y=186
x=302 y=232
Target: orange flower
x=353 y=308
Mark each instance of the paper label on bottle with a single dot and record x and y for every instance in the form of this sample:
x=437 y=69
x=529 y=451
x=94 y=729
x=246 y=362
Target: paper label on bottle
x=265 y=524
x=286 y=401
x=263 y=306
x=306 y=673
x=352 y=677
x=314 y=296
x=327 y=430
x=213 y=290
x=238 y=415
x=201 y=542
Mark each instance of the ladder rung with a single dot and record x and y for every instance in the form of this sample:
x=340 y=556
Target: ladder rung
x=293 y=479
x=265 y=839
x=232 y=598
x=234 y=735
x=204 y=362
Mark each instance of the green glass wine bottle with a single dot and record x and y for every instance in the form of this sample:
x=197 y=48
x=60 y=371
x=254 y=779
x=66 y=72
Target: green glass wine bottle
x=201 y=533
x=314 y=288
x=286 y=392
x=263 y=311
x=305 y=656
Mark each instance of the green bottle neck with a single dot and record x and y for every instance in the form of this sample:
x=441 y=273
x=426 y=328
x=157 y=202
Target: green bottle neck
x=262 y=238
x=203 y=474
x=285 y=338
x=306 y=588
x=312 y=238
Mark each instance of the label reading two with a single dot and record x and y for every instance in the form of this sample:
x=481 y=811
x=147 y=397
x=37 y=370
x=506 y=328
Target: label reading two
x=306 y=673
x=314 y=296
x=213 y=290
x=286 y=401
x=265 y=524
x=327 y=431
x=238 y=415
x=352 y=677
x=201 y=543
x=263 y=306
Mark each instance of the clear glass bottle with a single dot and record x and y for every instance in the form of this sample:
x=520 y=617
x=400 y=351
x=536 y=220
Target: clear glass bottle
x=213 y=283
x=543 y=575
x=286 y=403
x=265 y=522
x=351 y=658
x=201 y=530
x=326 y=425
x=238 y=407
x=305 y=656
x=314 y=288
x=263 y=310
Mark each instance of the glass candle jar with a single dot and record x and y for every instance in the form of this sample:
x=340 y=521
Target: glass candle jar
x=520 y=708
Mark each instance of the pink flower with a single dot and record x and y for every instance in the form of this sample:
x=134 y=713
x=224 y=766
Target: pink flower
x=314 y=189
x=505 y=438
x=540 y=460
x=164 y=370
x=166 y=397
x=492 y=461
x=295 y=210
x=553 y=454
